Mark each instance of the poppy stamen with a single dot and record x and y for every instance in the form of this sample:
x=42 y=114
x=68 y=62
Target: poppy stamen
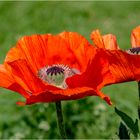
x=57 y=74
x=134 y=51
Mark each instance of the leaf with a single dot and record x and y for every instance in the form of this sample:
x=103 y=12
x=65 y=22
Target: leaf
x=123 y=132
x=129 y=122
x=136 y=129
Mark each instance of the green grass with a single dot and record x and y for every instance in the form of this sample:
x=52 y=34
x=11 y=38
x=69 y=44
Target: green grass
x=90 y=117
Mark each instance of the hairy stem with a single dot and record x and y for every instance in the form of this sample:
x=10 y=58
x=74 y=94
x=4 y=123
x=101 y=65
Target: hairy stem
x=60 y=120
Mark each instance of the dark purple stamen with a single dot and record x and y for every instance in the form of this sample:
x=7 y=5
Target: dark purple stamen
x=55 y=70
x=135 y=50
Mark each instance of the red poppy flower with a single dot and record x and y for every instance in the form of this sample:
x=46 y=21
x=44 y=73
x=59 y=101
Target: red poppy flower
x=122 y=64
x=49 y=68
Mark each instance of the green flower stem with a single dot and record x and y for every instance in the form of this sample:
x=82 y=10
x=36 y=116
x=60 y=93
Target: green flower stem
x=139 y=99
x=60 y=120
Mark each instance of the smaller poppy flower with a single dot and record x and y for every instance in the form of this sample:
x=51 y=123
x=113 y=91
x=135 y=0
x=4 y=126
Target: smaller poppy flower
x=135 y=37
x=123 y=66
x=135 y=42
x=50 y=68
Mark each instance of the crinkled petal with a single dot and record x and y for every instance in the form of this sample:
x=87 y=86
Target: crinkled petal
x=68 y=48
x=7 y=81
x=135 y=37
x=17 y=88
x=80 y=47
x=6 y=78
x=124 y=67
x=108 y=67
x=96 y=75
x=24 y=76
x=97 y=39
x=50 y=97
x=110 y=42
x=33 y=49
x=13 y=54
x=107 y=41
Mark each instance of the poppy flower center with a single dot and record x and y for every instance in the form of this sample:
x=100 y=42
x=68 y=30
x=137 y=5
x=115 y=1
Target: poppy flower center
x=55 y=70
x=134 y=51
x=56 y=74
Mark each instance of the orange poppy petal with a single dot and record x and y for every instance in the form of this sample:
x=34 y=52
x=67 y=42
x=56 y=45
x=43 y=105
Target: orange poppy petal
x=108 y=67
x=81 y=92
x=24 y=76
x=97 y=74
x=13 y=54
x=8 y=82
x=33 y=50
x=124 y=67
x=107 y=41
x=17 y=88
x=68 y=48
x=80 y=48
x=110 y=42
x=135 y=37
x=6 y=78
x=97 y=39
x=50 y=97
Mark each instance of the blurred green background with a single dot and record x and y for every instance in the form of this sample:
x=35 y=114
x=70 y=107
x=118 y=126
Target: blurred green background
x=87 y=118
